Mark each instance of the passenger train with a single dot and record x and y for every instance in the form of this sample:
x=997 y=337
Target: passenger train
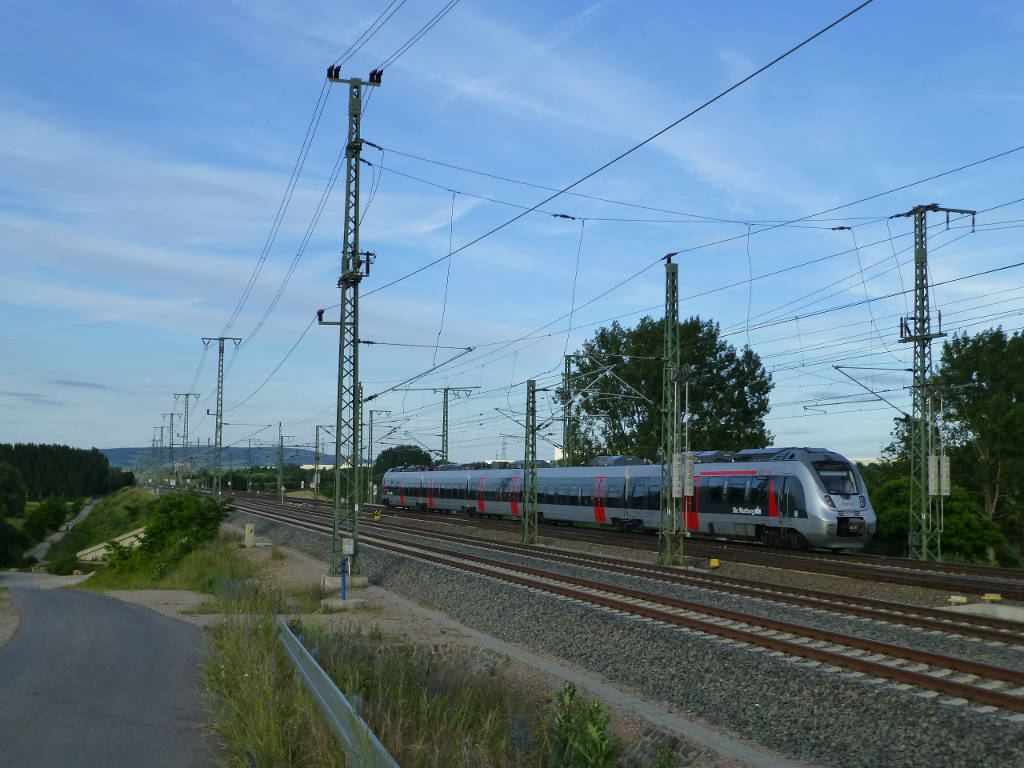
x=792 y=497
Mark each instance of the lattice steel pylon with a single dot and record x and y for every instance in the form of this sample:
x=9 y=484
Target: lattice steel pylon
x=670 y=535
x=924 y=535
x=443 y=456
x=568 y=427
x=219 y=425
x=184 y=434
x=529 y=530
x=352 y=272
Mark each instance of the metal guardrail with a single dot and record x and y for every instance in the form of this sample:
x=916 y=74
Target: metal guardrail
x=359 y=743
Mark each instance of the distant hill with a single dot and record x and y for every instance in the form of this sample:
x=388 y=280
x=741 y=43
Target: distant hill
x=234 y=456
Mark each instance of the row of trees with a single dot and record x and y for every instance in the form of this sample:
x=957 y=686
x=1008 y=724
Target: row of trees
x=60 y=470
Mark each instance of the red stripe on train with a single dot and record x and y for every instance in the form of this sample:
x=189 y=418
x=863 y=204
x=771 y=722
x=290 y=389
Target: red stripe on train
x=600 y=496
x=690 y=520
x=773 y=505
x=514 y=497
x=734 y=472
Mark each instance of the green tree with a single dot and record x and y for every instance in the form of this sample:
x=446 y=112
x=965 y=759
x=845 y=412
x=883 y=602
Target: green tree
x=619 y=378
x=12 y=492
x=47 y=516
x=981 y=382
x=178 y=524
x=400 y=456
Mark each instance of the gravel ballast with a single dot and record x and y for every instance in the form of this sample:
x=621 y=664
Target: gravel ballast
x=808 y=711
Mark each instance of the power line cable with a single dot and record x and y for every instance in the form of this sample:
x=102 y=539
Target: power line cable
x=417 y=36
x=632 y=149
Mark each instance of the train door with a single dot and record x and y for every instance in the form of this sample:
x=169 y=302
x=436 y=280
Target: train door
x=690 y=520
x=401 y=493
x=514 y=495
x=600 y=498
x=430 y=493
x=481 y=485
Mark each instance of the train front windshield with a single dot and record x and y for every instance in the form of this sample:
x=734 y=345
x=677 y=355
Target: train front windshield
x=837 y=477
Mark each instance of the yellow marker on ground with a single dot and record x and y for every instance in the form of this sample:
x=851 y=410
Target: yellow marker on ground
x=713 y=562
x=957 y=600
x=991 y=597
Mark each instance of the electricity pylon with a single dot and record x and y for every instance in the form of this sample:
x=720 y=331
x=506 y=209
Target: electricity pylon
x=170 y=449
x=184 y=434
x=316 y=461
x=219 y=428
x=924 y=535
x=670 y=550
x=280 y=459
x=568 y=429
x=352 y=273
x=529 y=530
x=444 y=419
x=369 y=450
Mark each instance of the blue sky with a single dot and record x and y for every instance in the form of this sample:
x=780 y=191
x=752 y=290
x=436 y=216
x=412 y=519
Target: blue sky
x=145 y=148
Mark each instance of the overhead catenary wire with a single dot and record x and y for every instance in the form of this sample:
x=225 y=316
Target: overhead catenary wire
x=632 y=149
x=418 y=35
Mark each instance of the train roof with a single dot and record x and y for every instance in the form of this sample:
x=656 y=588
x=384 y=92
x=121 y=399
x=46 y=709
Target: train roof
x=789 y=453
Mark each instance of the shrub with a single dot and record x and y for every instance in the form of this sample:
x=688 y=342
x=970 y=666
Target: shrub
x=178 y=524
x=579 y=734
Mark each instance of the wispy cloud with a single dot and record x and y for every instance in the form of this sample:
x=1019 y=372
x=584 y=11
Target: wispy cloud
x=32 y=399
x=81 y=384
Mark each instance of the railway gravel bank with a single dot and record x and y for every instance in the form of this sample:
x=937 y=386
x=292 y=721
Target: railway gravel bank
x=808 y=711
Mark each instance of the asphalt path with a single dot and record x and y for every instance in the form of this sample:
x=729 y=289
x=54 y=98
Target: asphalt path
x=88 y=680
x=40 y=550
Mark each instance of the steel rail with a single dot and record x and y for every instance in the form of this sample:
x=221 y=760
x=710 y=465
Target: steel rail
x=986 y=628
x=995 y=629
x=950 y=687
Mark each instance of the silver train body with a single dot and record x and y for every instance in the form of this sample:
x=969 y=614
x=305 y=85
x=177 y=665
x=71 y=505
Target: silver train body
x=794 y=497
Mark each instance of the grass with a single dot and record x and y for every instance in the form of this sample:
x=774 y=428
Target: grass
x=212 y=569
x=454 y=710
x=429 y=709
x=263 y=716
x=113 y=515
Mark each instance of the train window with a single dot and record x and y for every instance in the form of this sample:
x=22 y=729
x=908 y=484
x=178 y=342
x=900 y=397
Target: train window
x=653 y=493
x=836 y=476
x=795 y=503
x=716 y=490
x=759 y=492
x=638 y=493
x=582 y=497
x=736 y=491
x=613 y=495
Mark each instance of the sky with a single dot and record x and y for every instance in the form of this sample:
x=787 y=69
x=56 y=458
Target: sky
x=146 y=150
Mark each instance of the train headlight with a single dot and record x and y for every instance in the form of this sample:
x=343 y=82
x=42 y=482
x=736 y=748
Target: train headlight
x=828 y=500
x=863 y=502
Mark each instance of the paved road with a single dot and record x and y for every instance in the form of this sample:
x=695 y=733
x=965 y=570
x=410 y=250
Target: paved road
x=91 y=681
x=40 y=550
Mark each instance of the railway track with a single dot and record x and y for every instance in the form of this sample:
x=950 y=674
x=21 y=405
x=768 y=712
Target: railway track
x=984 y=684
x=968 y=625
x=952 y=578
